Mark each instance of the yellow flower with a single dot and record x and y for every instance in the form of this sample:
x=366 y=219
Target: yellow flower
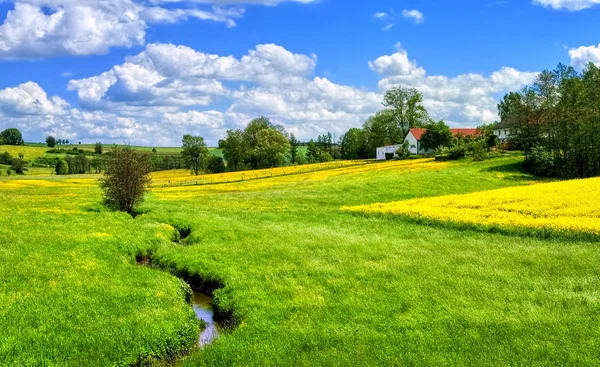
x=565 y=206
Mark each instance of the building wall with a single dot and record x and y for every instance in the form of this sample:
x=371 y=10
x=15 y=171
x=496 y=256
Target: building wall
x=388 y=149
x=502 y=134
x=413 y=144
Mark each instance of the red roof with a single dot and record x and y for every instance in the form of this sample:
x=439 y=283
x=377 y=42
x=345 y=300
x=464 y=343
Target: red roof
x=418 y=132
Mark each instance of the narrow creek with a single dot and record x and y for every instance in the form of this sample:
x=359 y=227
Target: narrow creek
x=202 y=305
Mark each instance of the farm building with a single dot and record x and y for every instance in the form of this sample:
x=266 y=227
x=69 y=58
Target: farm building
x=414 y=141
x=389 y=150
x=504 y=130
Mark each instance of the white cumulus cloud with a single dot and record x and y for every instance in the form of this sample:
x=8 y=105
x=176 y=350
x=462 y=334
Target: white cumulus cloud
x=583 y=55
x=36 y=29
x=167 y=90
x=571 y=5
x=463 y=100
x=414 y=14
x=166 y=74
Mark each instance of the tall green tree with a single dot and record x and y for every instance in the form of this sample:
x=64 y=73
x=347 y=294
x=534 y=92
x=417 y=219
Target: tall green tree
x=234 y=149
x=436 y=135
x=406 y=108
x=251 y=139
x=353 y=144
x=256 y=145
x=13 y=136
x=98 y=148
x=271 y=147
x=194 y=152
x=50 y=141
x=294 y=144
x=381 y=129
x=313 y=151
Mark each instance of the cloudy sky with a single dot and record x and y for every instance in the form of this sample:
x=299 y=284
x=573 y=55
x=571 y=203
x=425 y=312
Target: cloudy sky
x=148 y=71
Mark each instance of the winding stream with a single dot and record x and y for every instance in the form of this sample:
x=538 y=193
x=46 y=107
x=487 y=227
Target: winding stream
x=202 y=305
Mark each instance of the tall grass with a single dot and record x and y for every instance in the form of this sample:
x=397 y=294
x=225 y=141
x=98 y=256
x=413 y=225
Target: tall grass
x=308 y=283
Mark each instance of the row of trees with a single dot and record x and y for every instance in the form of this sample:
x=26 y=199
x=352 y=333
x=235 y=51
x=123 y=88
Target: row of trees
x=557 y=122
x=51 y=141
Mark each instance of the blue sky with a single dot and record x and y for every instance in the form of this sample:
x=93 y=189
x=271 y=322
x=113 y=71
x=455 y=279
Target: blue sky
x=147 y=71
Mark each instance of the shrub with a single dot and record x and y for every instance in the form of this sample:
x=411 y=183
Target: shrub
x=492 y=141
x=404 y=151
x=540 y=162
x=301 y=159
x=6 y=158
x=18 y=166
x=62 y=168
x=126 y=178
x=478 y=149
x=215 y=164
x=8 y=171
x=457 y=150
x=325 y=157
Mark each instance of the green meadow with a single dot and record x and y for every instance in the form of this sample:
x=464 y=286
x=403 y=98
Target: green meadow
x=305 y=283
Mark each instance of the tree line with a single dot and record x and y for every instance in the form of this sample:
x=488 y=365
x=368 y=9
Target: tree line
x=556 y=122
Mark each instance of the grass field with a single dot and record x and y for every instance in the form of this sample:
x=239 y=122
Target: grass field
x=308 y=283
x=37 y=150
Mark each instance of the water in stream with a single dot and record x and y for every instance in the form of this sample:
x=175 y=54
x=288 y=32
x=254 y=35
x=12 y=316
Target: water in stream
x=202 y=305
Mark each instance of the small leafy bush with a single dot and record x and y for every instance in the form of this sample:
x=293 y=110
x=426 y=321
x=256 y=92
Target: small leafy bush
x=62 y=168
x=18 y=166
x=6 y=158
x=540 y=162
x=215 y=164
x=325 y=157
x=404 y=151
x=478 y=149
x=457 y=150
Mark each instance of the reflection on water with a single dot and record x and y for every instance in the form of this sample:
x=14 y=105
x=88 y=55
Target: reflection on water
x=202 y=305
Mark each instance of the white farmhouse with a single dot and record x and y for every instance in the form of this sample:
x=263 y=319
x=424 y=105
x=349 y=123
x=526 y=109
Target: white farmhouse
x=414 y=143
x=504 y=130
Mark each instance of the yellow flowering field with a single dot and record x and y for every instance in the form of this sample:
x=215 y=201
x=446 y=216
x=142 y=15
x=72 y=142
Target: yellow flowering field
x=366 y=171
x=184 y=177
x=567 y=206
x=27 y=151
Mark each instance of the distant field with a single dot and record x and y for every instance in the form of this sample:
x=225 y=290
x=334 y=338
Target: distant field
x=184 y=177
x=37 y=150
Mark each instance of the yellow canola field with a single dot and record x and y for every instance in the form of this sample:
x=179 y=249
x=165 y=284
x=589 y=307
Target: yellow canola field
x=365 y=171
x=184 y=177
x=567 y=206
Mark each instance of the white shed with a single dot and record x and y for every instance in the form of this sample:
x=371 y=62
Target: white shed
x=390 y=149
